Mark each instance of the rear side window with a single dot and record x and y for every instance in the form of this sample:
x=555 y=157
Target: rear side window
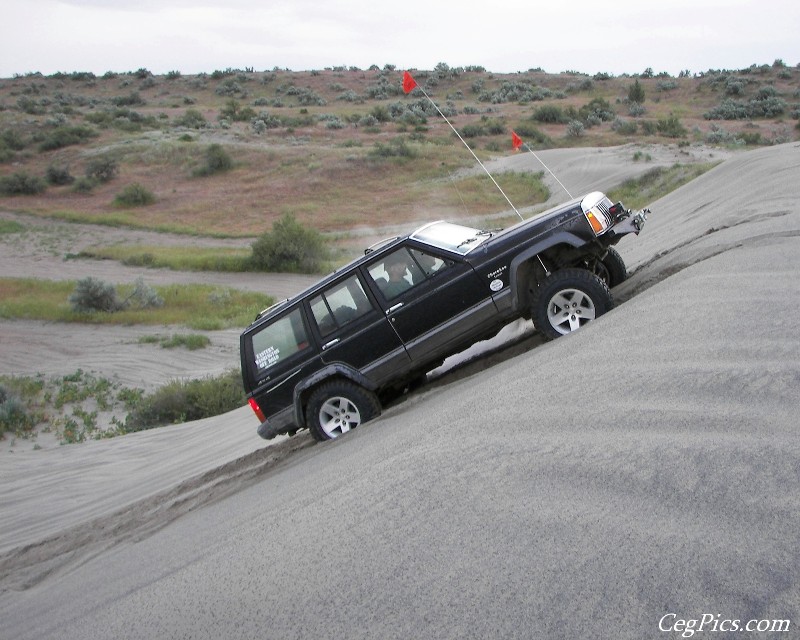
x=339 y=305
x=279 y=340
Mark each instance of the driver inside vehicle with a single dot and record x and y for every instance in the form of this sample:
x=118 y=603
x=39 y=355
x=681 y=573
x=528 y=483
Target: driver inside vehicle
x=397 y=267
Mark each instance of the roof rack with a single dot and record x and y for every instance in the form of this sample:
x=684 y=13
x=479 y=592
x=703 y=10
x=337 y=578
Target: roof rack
x=379 y=244
x=263 y=312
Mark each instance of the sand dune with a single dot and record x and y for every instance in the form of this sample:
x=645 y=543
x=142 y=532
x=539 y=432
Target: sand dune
x=641 y=471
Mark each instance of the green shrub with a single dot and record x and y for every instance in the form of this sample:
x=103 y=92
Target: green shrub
x=132 y=99
x=636 y=109
x=599 y=108
x=192 y=342
x=649 y=128
x=624 y=127
x=636 y=92
x=305 y=97
x=473 y=130
x=102 y=169
x=84 y=185
x=30 y=106
x=92 y=295
x=671 y=127
x=134 y=195
x=121 y=118
x=575 y=129
x=550 y=113
x=495 y=127
x=21 y=184
x=59 y=175
x=289 y=247
x=13 y=414
x=765 y=105
x=65 y=136
x=380 y=113
x=181 y=401
x=752 y=138
x=11 y=139
x=192 y=119
x=143 y=296
x=217 y=160
x=235 y=112
x=396 y=148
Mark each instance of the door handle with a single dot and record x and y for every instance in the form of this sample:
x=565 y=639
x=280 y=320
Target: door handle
x=330 y=344
x=394 y=308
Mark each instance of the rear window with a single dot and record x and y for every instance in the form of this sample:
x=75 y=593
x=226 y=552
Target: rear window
x=279 y=340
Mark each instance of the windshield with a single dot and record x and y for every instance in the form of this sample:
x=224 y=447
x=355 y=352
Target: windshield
x=452 y=237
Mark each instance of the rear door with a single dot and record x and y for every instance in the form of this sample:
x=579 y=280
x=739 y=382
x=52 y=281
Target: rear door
x=354 y=330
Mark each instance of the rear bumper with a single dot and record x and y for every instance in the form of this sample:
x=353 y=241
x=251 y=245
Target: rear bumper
x=275 y=425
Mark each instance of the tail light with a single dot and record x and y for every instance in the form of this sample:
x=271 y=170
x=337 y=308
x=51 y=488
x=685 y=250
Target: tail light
x=257 y=410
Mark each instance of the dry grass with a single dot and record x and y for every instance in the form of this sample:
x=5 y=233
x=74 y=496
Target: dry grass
x=329 y=178
x=200 y=307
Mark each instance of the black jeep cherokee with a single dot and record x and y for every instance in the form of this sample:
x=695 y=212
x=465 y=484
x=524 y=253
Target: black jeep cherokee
x=324 y=359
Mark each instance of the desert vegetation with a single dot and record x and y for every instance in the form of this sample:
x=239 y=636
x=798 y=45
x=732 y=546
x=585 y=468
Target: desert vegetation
x=233 y=151
x=81 y=406
x=201 y=307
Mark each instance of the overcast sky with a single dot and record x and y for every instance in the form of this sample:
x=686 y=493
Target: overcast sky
x=192 y=36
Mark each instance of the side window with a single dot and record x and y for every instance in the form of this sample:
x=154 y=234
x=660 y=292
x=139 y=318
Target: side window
x=425 y=265
x=403 y=269
x=340 y=304
x=279 y=340
x=392 y=274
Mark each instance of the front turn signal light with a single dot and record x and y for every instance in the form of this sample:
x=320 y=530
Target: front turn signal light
x=597 y=226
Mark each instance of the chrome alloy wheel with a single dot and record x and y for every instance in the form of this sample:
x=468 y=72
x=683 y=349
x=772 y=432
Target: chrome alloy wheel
x=338 y=415
x=569 y=309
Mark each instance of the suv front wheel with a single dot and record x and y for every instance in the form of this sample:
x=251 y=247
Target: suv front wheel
x=568 y=299
x=338 y=406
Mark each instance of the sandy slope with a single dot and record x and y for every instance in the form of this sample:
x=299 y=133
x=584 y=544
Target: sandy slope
x=647 y=465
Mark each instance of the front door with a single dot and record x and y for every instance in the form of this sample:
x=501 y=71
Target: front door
x=433 y=302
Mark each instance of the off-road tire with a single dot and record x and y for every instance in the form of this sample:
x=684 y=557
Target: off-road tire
x=338 y=406
x=568 y=299
x=612 y=269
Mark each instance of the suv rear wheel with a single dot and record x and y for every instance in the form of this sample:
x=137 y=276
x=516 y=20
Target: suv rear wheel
x=568 y=299
x=337 y=407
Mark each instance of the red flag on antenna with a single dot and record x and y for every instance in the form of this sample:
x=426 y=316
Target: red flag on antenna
x=408 y=82
x=516 y=141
